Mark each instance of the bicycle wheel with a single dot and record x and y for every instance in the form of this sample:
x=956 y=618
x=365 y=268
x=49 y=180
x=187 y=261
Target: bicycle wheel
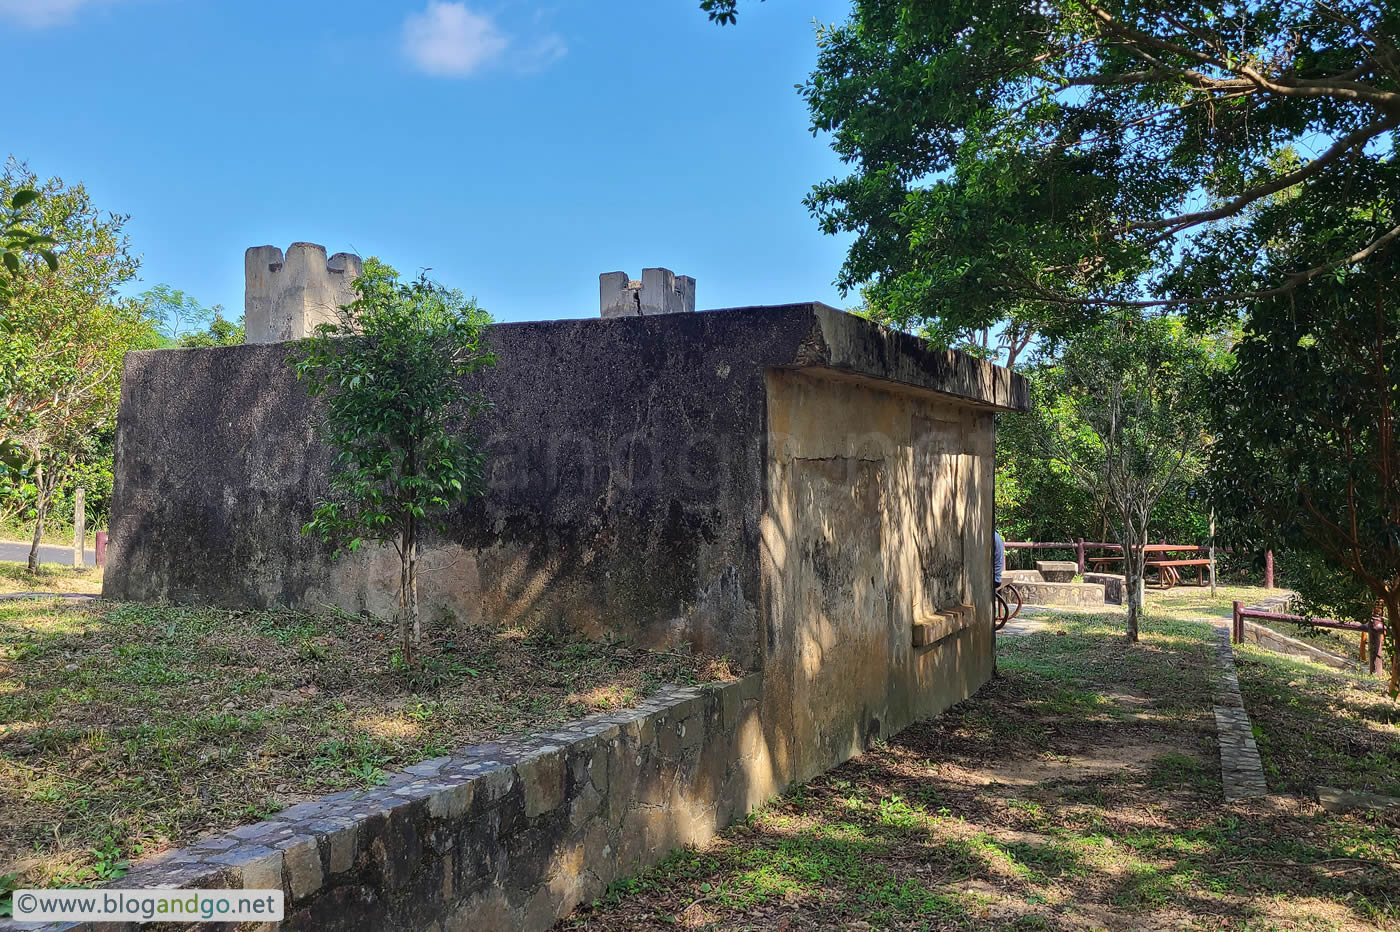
x=1001 y=612
x=1012 y=595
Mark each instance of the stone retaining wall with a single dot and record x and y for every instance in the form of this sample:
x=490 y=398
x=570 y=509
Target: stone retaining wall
x=505 y=835
x=1112 y=583
x=1051 y=593
x=1269 y=639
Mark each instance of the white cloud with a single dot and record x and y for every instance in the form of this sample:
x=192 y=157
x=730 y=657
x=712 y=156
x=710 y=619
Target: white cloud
x=450 y=40
x=40 y=13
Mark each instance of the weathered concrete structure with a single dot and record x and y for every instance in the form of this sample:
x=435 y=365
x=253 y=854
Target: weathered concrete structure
x=1048 y=585
x=1114 y=585
x=1057 y=571
x=660 y=291
x=288 y=295
x=797 y=487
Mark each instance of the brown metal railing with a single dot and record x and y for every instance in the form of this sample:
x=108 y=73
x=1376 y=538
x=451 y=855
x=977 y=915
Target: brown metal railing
x=1373 y=631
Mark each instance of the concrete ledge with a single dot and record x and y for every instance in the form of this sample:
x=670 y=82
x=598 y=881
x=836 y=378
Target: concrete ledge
x=1053 y=593
x=1113 y=586
x=1059 y=571
x=506 y=835
x=934 y=627
x=1022 y=576
x=1335 y=800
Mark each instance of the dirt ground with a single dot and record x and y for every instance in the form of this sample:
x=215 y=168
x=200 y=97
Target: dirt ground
x=1079 y=790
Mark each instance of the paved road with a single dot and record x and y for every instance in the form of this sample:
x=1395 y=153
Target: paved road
x=15 y=552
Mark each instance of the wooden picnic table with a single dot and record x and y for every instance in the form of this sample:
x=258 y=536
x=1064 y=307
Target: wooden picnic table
x=1168 y=574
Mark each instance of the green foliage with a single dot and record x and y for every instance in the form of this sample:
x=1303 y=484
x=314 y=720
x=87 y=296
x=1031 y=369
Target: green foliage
x=220 y=332
x=19 y=243
x=724 y=12
x=66 y=331
x=183 y=321
x=1308 y=461
x=90 y=470
x=394 y=374
x=1037 y=498
x=1039 y=161
x=1122 y=412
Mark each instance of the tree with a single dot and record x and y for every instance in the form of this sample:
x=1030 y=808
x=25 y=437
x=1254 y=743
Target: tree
x=1062 y=157
x=173 y=312
x=1123 y=409
x=394 y=374
x=220 y=332
x=1307 y=458
x=66 y=331
x=1038 y=498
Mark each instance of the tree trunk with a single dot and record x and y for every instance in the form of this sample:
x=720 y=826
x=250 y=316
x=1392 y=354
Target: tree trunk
x=417 y=631
x=1133 y=558
x=405 y=629
x=1392 y=619
x=409 y=631
x=41 y=504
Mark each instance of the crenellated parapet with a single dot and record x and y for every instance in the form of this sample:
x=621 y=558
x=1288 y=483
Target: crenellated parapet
x=286 y=295
x=660 y=291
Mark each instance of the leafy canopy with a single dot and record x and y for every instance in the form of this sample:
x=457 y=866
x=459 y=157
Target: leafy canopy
x=1307 y=458
x=393 y=375
x=183 y=321
x=65 y=331
x=1046 y=158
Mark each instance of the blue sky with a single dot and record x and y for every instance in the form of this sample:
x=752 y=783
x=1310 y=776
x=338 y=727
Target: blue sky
x=516 y=148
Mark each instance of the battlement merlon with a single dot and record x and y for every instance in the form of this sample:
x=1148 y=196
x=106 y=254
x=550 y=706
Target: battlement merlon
x=286 y=295
x=660 y=291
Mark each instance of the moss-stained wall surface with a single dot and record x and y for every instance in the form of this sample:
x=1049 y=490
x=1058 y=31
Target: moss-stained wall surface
x=879 y=515
x=628 y=461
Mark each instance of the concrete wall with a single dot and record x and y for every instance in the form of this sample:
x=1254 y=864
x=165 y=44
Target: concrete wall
x=1269 y=639
x=1113 y=586
x=879 y=516
x=1061 y=593
x=627 y=464
x=794 y=486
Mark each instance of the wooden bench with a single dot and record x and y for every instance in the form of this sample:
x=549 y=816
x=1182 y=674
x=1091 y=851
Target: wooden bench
x=1168 y=576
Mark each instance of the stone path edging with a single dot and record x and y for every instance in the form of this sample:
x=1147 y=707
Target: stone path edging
x=1241 y=771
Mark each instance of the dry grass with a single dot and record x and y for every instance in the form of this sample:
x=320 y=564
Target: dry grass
x=50 y=577
x=1320 y=726
x=127 y=728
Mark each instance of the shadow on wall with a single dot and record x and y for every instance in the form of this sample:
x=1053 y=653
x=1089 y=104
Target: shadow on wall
x=876 y=499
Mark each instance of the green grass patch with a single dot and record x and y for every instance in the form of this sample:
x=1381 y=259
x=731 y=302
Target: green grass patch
x=1320 y=726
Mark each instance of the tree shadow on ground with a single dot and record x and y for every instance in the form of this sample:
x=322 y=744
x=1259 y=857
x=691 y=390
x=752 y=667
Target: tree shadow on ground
x=1079 y=789
x=1320 y=726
